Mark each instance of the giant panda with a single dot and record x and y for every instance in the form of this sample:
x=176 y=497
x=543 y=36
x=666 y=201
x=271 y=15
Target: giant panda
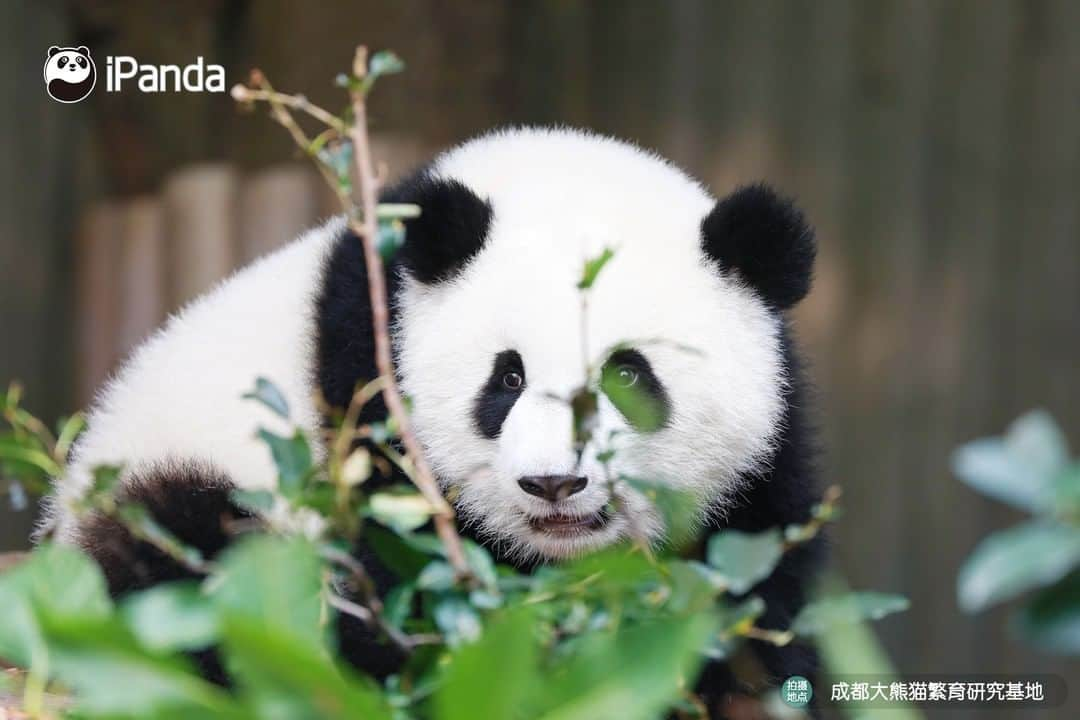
x=487 y=337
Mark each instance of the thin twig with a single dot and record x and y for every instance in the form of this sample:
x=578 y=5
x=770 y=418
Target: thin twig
x=296 y=102
x=366 y=227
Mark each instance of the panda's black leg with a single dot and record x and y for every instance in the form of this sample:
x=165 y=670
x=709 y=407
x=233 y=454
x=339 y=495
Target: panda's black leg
x=191 y=501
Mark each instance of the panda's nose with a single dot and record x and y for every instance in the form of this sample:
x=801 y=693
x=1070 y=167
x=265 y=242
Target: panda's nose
x=553 y=487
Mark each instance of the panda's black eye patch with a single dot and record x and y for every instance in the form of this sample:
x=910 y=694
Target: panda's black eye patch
x=633 y=388
x=63 y=60
x=81 y=61
x=498 y=395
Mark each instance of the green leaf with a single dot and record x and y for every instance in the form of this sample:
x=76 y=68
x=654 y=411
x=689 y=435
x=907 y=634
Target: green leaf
x=437 y=576
x=654 y=660
x=744 y=559
x=398 y=604
x=457 y=619
x=642 y=409
x=292 y=458
x=404 y=512
x=269 y=395
x=391 y=238
x=175 y=616
x=138 y=520
x=110 y=673
x=397 y=211
x=480 y=562
x=849 y=608
x=275 y=582
x=507 y=650
x=1009 y=562
x=257 y=501
x=384 y=62
x=106 y=478
x=1067 y=493
x=1051 y=619
x=403 y=554
x=735 y=621
x=679 y=509
x=1018 y=468
x=282 y=677
x=593 y=268
x=56 y=579
x=15 y=450
x=691 y=590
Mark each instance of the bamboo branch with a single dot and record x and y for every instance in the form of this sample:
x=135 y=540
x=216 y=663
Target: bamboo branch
x=367 y=229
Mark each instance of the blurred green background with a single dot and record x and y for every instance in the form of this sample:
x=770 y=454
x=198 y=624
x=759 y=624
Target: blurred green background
x=935 y=145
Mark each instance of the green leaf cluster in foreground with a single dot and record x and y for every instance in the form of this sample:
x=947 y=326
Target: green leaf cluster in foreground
x=1029 y=468
x=614 y=635
x=621 y=633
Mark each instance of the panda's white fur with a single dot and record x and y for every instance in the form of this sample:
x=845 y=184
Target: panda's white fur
x=559 y=197
x=179 y=394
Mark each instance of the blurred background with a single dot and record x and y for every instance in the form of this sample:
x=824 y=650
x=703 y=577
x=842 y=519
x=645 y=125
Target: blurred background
x=935 y=145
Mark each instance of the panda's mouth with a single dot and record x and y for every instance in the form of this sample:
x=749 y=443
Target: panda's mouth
x=569 y=525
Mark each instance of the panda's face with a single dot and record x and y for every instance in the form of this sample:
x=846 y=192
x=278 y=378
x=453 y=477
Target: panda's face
x=493 y=356
x=72 y=65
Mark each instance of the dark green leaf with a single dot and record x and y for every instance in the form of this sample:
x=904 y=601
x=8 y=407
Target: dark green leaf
x=821 y=615
x=275 y=582
x=258 y=501
x=281 y=677
x=507 y=650
x=480 y=562
x=269 y=395
x=1015 y=560
x=457 y=619
x=1051 y=619
x=110 y=673
x=143 y=525
x=744 y=559
x=438 y=576
x=391 y=238
x=1018 y=468
x=56 y=579
x=405 y=555
x=175 y=616
x=292 y=458
x=654 y=660
x=398 y=604
x=642 y=409
x=384 y=62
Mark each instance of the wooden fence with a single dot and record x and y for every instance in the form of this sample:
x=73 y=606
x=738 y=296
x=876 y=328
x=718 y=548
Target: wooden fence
x=140 y=258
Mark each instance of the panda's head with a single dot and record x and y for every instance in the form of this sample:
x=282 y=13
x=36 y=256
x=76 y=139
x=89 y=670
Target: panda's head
x=493 y=337
x=70 y=73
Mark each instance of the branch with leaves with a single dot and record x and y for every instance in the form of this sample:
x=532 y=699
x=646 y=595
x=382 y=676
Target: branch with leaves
x=364 y=220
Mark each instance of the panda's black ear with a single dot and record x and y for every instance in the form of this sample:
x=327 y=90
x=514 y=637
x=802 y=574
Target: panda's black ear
x=83 y=49
x=53 y=50
x=763 y=238
x=450 y=231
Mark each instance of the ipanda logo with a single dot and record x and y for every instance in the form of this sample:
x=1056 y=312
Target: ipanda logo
x=70 y=75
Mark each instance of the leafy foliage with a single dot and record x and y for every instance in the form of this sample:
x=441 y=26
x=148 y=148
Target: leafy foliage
x=1029 y=468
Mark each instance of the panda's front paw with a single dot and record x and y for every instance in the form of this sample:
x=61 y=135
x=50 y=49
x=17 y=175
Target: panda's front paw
x=189 y=499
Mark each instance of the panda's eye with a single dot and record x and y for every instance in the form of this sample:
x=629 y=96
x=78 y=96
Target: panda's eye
x=625 y=376
x=512 y=380
x=81 y=61
x=62 y=60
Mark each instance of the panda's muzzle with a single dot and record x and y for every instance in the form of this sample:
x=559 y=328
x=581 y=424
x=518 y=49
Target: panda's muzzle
x=553 y=488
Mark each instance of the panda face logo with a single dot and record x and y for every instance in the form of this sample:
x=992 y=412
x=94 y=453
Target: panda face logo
x=70 y=73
